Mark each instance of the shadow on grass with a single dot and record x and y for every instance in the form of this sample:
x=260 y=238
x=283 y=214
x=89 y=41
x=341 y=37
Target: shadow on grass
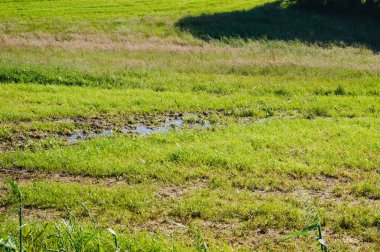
x=273 y=22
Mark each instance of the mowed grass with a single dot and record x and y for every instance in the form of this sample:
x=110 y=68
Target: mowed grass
x=78 y=16
x=84 y=9
x=294 y=120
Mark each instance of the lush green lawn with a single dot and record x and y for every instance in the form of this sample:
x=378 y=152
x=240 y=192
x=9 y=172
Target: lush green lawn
x=85 y=9
x=294 y=108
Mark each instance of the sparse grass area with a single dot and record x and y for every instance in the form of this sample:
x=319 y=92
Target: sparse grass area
x=291 y=118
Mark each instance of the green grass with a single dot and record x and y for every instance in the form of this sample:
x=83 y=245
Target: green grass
x=295 y=116
x=57 y=101
x=257 y=148
x=85 y=9
x=80 y=16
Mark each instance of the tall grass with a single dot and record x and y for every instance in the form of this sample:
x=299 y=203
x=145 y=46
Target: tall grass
x=10 y=242
x=67 y=235
x=314 y=220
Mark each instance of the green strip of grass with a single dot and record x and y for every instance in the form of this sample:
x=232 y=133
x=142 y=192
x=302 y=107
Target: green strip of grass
x=27 y=102
x=291 y=148
x=93 y=10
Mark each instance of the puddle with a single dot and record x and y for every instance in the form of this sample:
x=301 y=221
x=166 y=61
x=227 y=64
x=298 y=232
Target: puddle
x=170 y=123
x=264 y=120
x=82 y=135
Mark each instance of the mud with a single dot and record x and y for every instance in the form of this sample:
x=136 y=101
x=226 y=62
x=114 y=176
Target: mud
x=143 y=129
x=86 y=128
x=81 y=129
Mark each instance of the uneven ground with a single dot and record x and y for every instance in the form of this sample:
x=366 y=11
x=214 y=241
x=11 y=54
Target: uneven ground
x=292 y=99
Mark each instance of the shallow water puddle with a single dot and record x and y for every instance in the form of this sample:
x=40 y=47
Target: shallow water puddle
x=74 y=138
x=171 y=123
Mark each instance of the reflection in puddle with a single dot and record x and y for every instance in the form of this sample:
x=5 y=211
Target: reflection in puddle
x=74 y=138
x=143 y=129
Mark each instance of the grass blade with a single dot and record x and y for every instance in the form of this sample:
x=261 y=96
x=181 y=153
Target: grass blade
x=17 y=191
x=90 y=237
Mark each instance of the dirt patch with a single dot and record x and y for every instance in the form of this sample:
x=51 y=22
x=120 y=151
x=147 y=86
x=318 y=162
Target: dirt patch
x=232 y=233
x=30 y=214
x=167 y=227
x=23 y=176
x=178 y=191
x=2 y=210
x=42 y=214
x=335 y=189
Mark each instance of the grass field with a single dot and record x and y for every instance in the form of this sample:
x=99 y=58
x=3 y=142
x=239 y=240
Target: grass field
x=280 y=110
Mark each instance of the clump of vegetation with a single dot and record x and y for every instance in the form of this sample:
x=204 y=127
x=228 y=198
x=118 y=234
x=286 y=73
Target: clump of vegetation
x=9 y=244
x=314 y=219
x=65 y=235
x=367 y=189
x=339 y=91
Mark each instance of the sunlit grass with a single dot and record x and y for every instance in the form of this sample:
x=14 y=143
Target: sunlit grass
x=290 y=117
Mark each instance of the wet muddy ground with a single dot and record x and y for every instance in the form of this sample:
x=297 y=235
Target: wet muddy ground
x=73 y=130
x=140 y=128
x=66 y=131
